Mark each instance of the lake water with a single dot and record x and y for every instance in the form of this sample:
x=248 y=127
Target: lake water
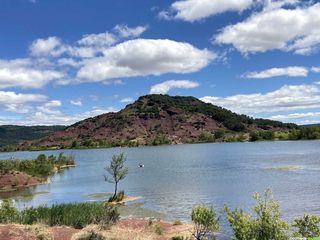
x=175 y=178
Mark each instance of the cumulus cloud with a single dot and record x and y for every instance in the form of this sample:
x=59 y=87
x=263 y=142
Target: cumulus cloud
x=18 y=102
x=194 y=10
x=286 y=98
x=40 y=117
x=47 y=46
x=143 y=57
x=23 y=73
x=278 y=72
x=297 y=30
x=126 y=32
x=165 y=87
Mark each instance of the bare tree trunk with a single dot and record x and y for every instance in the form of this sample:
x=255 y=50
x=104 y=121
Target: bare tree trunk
x=115 y=190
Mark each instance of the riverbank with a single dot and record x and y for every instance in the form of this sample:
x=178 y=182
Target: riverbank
x=15 y=180
x=17 y=174
x=139 y=229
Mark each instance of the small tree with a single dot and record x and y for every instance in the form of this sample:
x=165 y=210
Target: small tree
x=265 y=224
x=205 y=221
x=117 y=172
x=307 y=226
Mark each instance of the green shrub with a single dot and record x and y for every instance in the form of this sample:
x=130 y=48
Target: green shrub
x=42 y=166
x=266 y=224
x=158 y=229
x=76 y=215
x=205 y=221
x=8 y=212
x=307 y=226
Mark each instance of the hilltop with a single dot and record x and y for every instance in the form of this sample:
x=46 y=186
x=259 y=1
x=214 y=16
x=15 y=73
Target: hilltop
x=157 y=119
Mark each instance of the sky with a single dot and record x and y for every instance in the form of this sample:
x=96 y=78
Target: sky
x=62 y=61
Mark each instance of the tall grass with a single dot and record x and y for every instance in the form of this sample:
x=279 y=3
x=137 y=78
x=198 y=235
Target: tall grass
x=77 y=215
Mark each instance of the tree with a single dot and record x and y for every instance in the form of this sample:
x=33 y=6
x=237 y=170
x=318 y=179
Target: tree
x=205 y=220
x=308 y=226
x=117 y=172
x=265 y=224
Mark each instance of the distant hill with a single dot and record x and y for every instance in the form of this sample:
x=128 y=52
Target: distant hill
x=158 y=119
x=11 y=134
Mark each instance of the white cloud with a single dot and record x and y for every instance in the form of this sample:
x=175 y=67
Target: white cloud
x=100 y=39
x=315 y=69
x=126 y=32
x=50 y=107
x=51 y=46
x=295 y=30
x=76 y=102
x=165 y=87
x=142 y=57
x=22 y=73
x=56 y=117
x=194 y=10
x=278 y=72
x=286 y=98
x=18 y=102
x=127 y=100
x=298 y=118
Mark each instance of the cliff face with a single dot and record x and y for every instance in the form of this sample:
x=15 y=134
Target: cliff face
x=155 y=119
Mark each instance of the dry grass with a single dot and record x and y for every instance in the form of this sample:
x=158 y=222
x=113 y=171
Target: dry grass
x=41 y=232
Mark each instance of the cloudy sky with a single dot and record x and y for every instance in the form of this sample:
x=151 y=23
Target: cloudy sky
x=63 y=60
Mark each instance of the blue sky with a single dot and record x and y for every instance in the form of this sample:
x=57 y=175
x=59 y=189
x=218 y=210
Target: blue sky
x=62 y=60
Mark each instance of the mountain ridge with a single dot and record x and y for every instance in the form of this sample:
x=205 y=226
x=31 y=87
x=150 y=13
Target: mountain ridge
x=156 y=119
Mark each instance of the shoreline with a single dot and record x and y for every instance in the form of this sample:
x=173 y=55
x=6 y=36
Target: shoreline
x=21 y=184
x=173 y=144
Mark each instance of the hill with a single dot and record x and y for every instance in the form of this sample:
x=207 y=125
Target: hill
x=11 y=134
x=158 y=119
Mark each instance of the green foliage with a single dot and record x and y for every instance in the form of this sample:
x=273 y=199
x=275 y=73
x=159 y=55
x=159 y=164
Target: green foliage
x=42 y=166
x=117 y=172
x=10 y=134
x=262 y=135
x=158 y=229
x=265 y=224
x=160 y=139
x=307 y=226
x=219 y=134
x=152 y=104
x=205 y=220
x=206 y=137
x=8 y=213
x=76 y=215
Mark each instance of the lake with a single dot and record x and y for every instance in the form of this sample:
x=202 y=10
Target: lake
x=177 y=177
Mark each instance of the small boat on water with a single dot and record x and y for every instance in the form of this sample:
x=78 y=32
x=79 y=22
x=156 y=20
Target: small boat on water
x=141 y=165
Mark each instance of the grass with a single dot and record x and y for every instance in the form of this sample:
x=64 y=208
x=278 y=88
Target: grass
x=77 y=215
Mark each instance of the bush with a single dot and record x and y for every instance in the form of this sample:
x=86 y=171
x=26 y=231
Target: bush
x=91 y=232
x=42 y=166
x=205 y=220
x=8 y=212
x=158 y=229
x=307 y=226
x=77 y=215
x=265 y=225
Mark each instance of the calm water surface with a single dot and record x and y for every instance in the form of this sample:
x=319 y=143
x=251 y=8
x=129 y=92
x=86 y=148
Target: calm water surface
x=175 y=178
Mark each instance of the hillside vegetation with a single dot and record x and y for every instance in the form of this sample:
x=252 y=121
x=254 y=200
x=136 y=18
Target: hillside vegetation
x=11 y=134
x=163 y=119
